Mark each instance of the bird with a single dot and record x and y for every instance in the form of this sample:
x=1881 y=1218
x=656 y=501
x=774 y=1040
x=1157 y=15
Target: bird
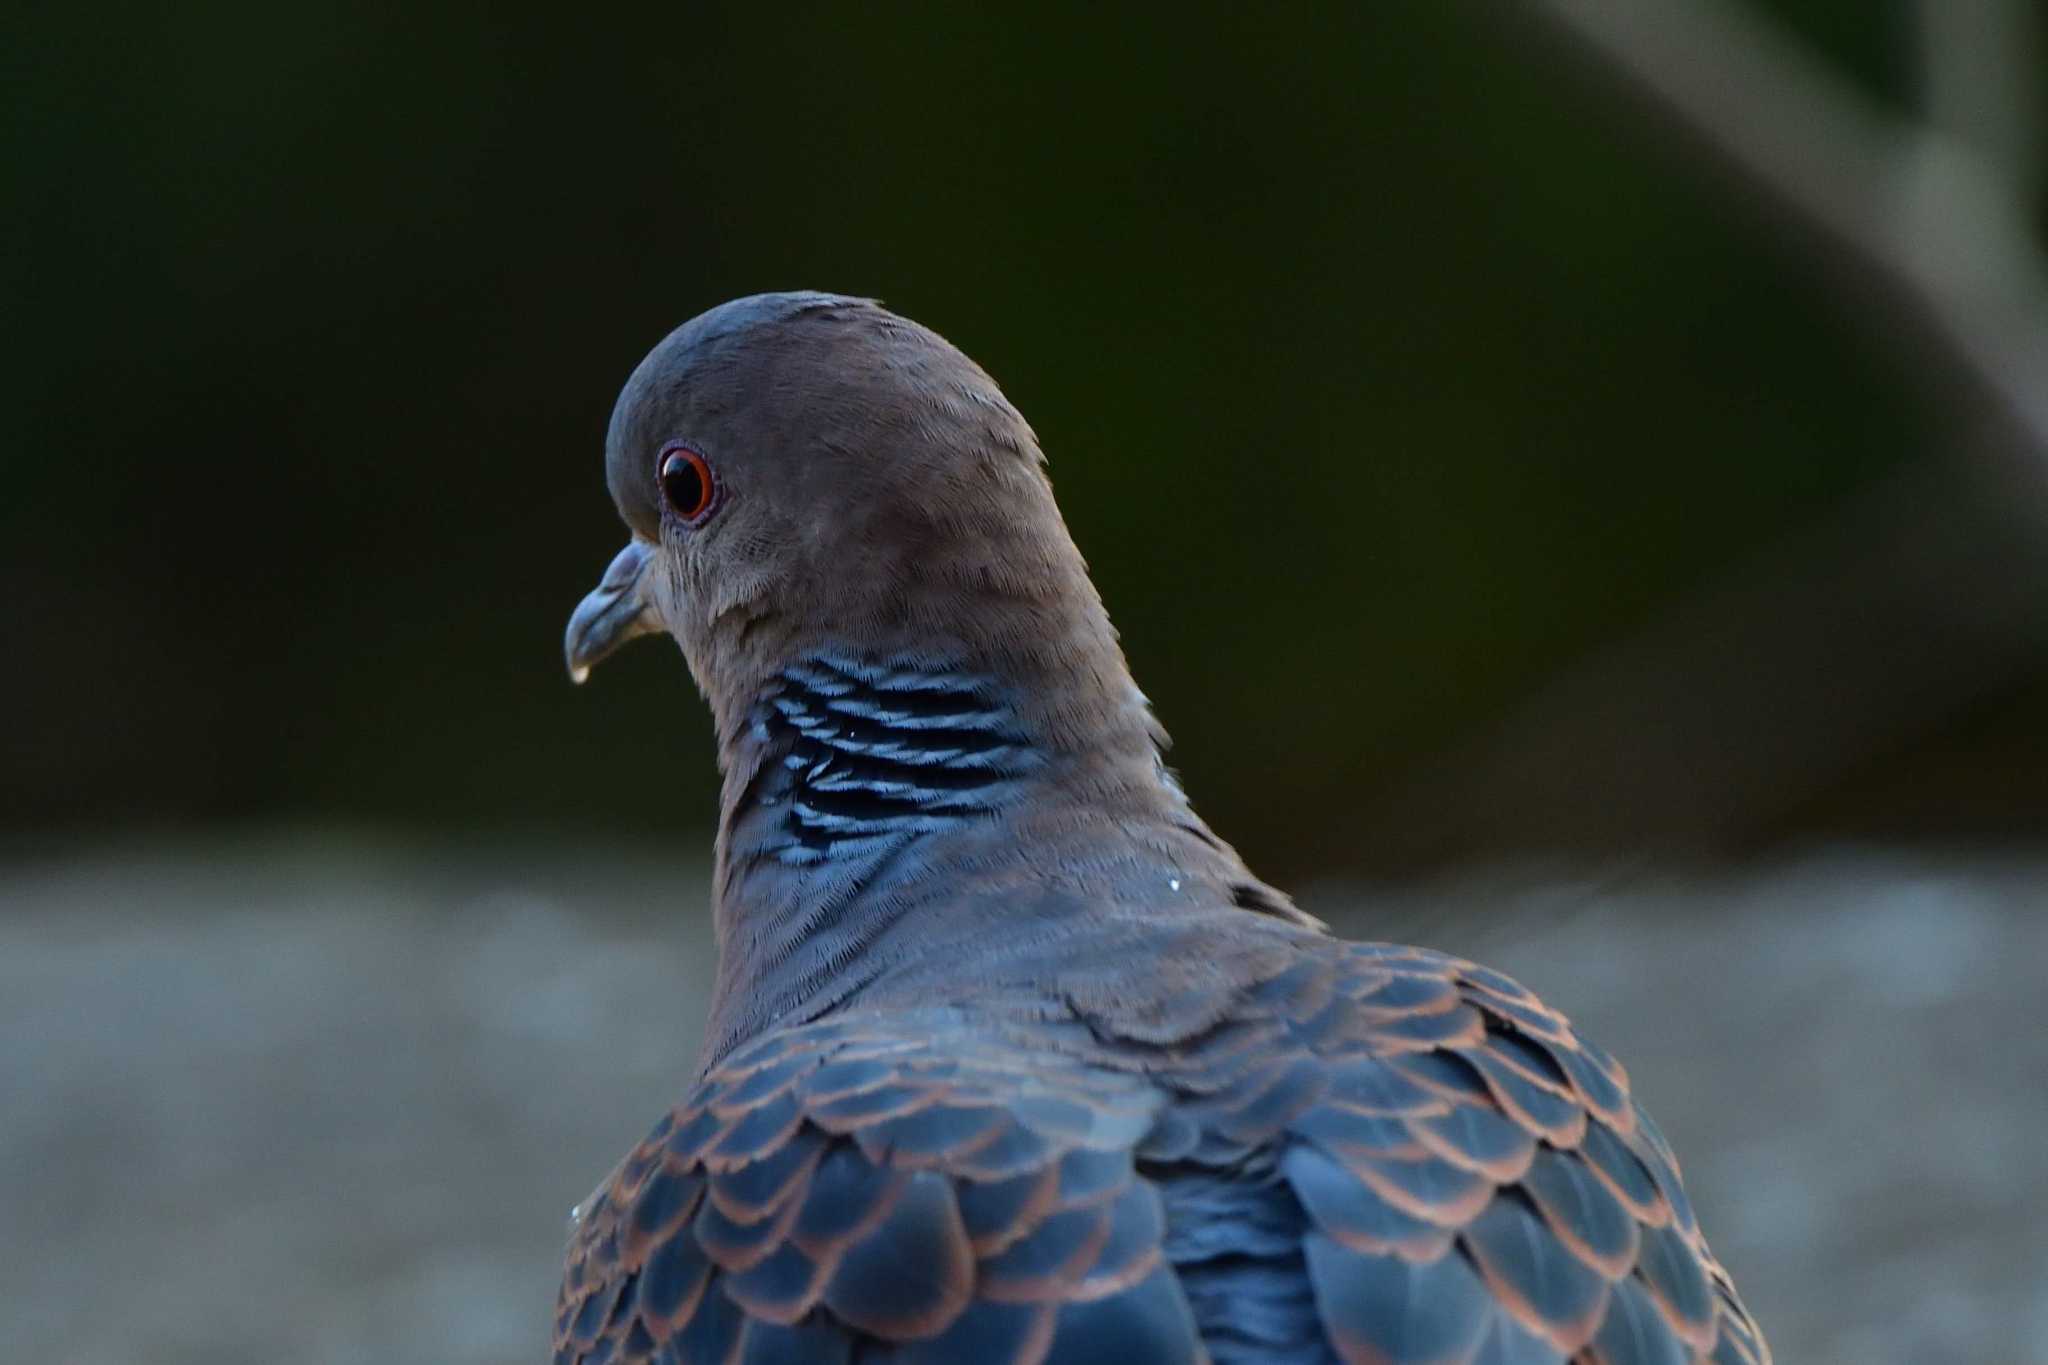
x=1010 y=1057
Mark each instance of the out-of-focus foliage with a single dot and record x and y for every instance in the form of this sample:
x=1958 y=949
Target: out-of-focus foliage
x=1384 y=370
x=1468 y=459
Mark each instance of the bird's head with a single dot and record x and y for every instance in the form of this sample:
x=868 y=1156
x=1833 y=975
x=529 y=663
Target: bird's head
x=805 y=472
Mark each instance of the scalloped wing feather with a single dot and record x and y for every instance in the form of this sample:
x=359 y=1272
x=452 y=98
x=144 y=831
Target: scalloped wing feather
x=1381 y=1155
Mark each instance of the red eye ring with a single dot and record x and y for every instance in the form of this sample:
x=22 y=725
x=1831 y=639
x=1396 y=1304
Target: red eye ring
x=686 y=484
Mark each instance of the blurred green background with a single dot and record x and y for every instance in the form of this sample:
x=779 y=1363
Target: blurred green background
x=1593 y=522
x=1389 y=365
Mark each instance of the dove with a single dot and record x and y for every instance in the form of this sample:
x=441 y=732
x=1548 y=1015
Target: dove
x=1010 y=1057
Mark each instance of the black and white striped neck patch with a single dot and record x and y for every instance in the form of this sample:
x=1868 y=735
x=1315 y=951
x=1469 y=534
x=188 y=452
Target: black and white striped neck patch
x=864 y=753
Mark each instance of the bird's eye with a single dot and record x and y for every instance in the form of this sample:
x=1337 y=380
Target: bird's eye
x=686 y=484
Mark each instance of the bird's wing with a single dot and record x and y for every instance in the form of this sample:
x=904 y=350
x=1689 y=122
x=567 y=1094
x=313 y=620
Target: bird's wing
x=1477 y=1183
x=1382 y=1154
x=882 y=1187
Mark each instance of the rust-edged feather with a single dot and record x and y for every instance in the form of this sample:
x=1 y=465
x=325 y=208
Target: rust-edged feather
x=890 y=1185
x=1379 y=1155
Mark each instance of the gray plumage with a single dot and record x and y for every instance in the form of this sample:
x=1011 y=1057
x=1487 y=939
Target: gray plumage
x=1010 y=1056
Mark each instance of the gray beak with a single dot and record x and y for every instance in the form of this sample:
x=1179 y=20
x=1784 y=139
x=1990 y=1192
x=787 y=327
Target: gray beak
x=617 y=611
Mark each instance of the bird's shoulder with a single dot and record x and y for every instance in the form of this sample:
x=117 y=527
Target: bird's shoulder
x=1474 y=1178
x=901 y=1177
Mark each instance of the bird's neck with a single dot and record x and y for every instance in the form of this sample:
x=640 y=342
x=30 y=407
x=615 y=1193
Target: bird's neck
x=878 y=807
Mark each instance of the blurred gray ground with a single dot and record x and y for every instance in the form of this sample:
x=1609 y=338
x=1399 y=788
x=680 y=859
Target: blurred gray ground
x=331 y=1100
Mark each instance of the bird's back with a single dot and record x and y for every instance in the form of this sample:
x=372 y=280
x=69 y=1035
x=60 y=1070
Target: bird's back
x=1370 y=1153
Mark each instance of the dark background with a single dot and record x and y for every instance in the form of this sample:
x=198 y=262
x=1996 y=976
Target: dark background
x=1393 y=362
x=1572 y=475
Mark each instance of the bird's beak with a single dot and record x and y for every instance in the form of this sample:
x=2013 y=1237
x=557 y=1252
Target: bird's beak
x=617 y=611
